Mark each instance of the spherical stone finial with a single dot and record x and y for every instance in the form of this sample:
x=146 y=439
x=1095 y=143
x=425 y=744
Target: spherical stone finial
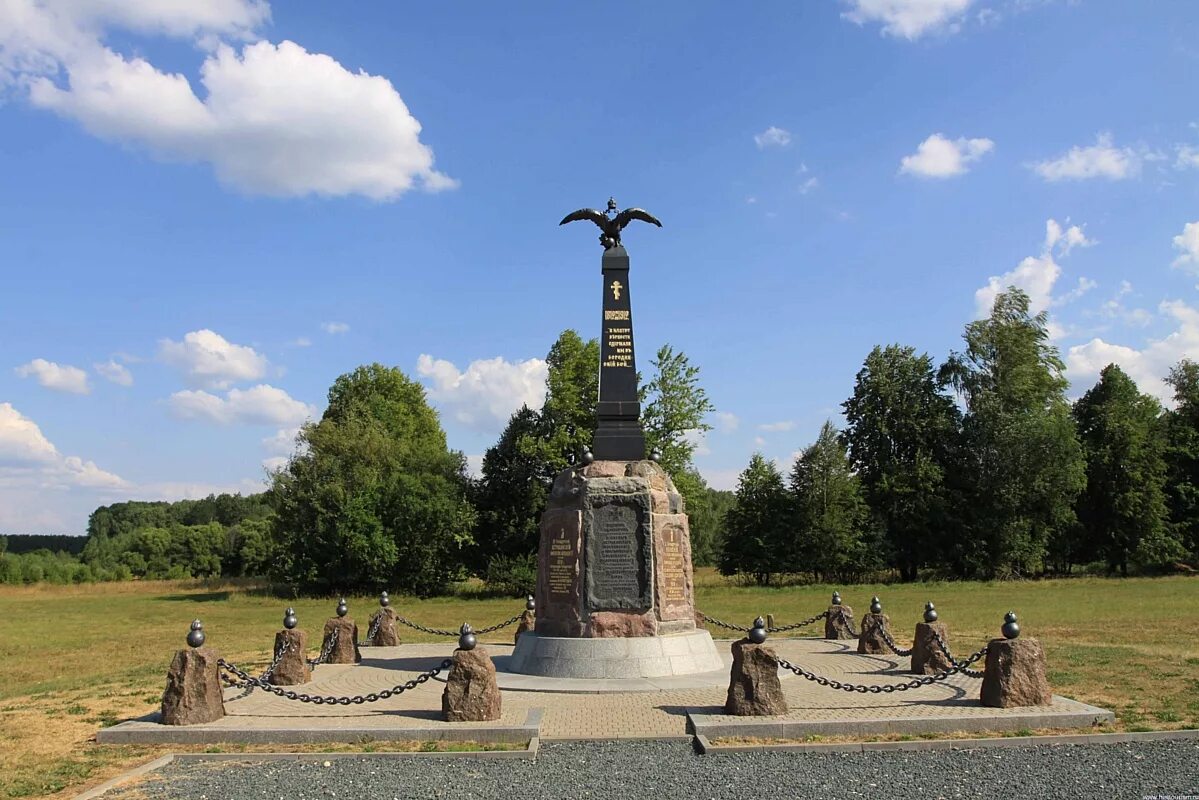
x=384 y=600
x=836 y=598
x=655 y=455
x=930 y=612
x=342 y=608
x=588 y=457
x=530 y=603
x=195 y=636
x=466 y=638
x=757 y=634
x=876 y=606
x=1011 y=628
x=289 y=618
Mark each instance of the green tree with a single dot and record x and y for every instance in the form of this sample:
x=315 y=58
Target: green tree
x=1122 y=511
x=373 y=498
x=1020 y=466
x=674 y=407
x=510 y=494
x=1182 y=455
x=756 y=527
x=567 y=418
x=899 y=430
x=830 y=519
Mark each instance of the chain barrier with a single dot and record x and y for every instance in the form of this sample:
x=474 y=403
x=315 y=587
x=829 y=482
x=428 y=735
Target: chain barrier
x=376 y=623
x=887 y=688
x=270 y=671
x=326 y=650
x=965 y=670
x=778 y=629
x=267 y=674
x=846 y=621
x=441 y=632
x=247 y=680
x=889 y=642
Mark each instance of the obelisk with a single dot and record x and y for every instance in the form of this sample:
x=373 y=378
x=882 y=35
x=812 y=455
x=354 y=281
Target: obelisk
x=615 y=590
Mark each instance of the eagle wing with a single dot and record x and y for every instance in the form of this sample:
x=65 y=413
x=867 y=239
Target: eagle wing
x=630 y=214
x=598 y=217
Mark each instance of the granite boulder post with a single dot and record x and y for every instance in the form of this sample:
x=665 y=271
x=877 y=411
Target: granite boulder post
x=345 y=649
x=838 y=622
x=754 y=686
x=193 y=694
x=383 y=623
x=292 y=668
x=471 y=693
x=927 y=656
x=1015 y=674
x=870 y=639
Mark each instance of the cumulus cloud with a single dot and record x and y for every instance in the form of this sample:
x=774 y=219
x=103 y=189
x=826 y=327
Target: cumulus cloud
x=1037 y=275
x=60 y=378
x=272 y=119
x=726 y=421
x=1188 y=243
x=908 y=19
x=28 y=458
x=486 y=393
x=210 y=360
x=772 y=137
x=785 y=425
x=938 y=157
x=1147 y=365
x=259 y=405
x=1100 y=160
x=1187 y=157
x=115 y=371
x=335 y=328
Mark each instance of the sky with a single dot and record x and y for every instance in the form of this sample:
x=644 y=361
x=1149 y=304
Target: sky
x=208 y=211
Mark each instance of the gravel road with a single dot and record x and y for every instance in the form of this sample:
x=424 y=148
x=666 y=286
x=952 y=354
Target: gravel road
x=631 y=770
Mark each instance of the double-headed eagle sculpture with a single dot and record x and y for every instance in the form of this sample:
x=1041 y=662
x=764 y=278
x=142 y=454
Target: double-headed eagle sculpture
x=610 y=225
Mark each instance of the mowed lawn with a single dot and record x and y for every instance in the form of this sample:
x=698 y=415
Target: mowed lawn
x=74 y=659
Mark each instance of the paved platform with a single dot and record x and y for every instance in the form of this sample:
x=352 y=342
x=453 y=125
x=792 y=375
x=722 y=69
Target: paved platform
x=588 y=709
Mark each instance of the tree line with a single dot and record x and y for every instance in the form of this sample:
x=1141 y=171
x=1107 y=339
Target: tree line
x=980 y=468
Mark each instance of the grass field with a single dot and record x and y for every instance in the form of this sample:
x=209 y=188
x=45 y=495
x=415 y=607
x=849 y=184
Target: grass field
x=73 y=659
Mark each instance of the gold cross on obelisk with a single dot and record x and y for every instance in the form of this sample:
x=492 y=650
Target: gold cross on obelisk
x=616 y=287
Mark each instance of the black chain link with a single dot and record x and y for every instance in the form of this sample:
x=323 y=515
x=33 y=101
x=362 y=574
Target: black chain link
x=441 y=632
x=778 y=629
x=969 y=673
x=326 y=650
x=320 y=700
x=376 y=623
x=881 y=630
x=270 y=671
x=886 y=688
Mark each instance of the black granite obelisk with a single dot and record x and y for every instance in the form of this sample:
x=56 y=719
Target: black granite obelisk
x=618 y=436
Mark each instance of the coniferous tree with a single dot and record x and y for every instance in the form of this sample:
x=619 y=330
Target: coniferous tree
x=756 y=527
x=1020 y=467
x=1122 y=511
x=900 y=429
x=1182 y=455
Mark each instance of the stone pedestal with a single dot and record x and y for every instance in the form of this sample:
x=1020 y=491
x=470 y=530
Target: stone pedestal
x=471 y=693
x=754 y=687
x=927 y=657
x=528 y=622
x=1015 y=674
x=836 y=624
x=615 y=554
x=293 y=667
x=346 y=649
x=386 y=634
x=193 y=694
x=870 y=639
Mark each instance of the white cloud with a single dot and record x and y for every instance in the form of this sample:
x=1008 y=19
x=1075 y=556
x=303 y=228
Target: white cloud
x=1188 y=243
x=1148 y=365
x=809 y=185
x=1100 y=160
x=785 y=425
x=259 y=405
x=302 y=341
x=1037 y=275
x=908 y=19
x=938 y=157
x=722 y=479
x=272 y=118
x=1188 y=157
x=488 y=391
x=474 y=466
x=759 y=441
x=698 y=439
x=64 y=378
x=115 y=371
x=772 y=137
x=208 y=359
x=29 y=459
x=335 y=328
x=274 y=463
x=726 y=422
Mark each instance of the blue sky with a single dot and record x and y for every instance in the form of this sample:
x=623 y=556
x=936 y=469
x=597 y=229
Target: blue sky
x=209 y=211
